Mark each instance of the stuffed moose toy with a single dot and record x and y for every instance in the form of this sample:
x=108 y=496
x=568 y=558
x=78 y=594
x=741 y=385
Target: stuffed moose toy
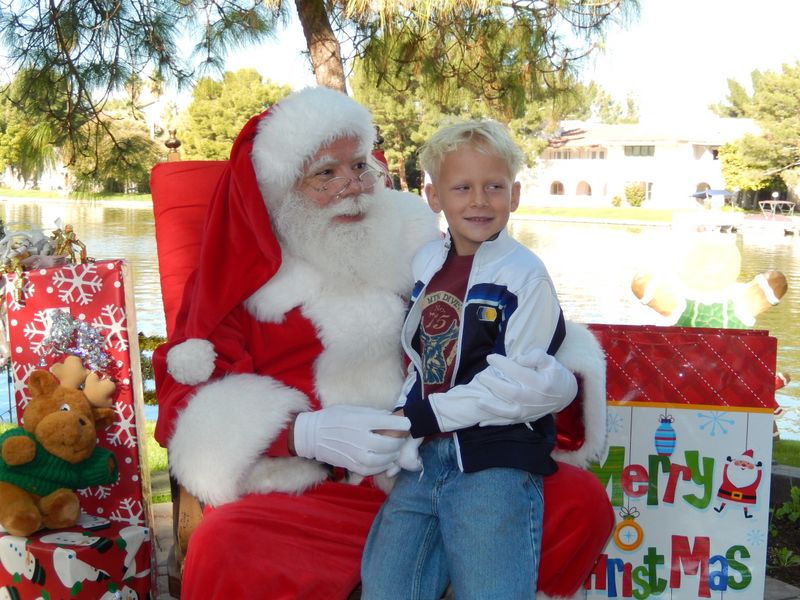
x=55 y=450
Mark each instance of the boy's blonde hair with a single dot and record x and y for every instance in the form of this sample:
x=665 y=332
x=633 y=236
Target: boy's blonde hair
x=485 y=135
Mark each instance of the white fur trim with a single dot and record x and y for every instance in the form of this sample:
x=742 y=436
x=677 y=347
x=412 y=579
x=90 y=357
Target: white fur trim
x=192 y=361
x=219 y=440
x=289 y=475
x=298 y=126
x=582 y=354
x=295 y=282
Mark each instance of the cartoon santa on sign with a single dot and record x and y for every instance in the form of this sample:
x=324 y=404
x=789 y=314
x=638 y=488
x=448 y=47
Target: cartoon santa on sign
x=740 y=479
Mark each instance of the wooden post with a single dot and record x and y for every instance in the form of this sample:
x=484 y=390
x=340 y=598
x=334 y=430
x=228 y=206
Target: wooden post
x=173 y=143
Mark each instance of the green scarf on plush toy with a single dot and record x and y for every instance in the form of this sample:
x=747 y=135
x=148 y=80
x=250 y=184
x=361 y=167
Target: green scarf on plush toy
x=702 y=290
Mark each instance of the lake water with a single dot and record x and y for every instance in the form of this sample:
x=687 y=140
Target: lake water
x=591 y=264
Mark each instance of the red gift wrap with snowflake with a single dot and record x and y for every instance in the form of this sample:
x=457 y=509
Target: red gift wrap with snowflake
x=688 y=463
x=86 y=310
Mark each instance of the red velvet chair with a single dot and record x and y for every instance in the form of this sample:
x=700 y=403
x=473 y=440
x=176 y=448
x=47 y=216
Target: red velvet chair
x=181 y=191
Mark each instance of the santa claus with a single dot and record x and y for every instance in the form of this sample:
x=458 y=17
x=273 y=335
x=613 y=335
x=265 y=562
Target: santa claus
x=740 y=479
x=285 y=362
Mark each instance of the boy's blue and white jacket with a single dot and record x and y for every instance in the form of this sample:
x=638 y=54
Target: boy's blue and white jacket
x=510 y=308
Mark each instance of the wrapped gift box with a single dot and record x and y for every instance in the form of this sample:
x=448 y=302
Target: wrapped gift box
x=689 y=462
x=81 y=559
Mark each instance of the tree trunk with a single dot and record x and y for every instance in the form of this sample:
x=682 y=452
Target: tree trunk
x=326 y=56
x=401 y=175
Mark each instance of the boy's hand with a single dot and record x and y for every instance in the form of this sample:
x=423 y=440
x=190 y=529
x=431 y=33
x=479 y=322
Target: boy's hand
x=527 y=389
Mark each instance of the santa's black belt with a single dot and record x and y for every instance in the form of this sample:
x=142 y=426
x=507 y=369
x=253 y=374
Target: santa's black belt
x=734 y=495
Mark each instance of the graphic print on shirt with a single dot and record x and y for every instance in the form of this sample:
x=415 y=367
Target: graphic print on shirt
x=439 y=335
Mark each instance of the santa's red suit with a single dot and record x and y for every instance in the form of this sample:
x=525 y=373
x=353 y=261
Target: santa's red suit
x=263 y=335
x=737 y=490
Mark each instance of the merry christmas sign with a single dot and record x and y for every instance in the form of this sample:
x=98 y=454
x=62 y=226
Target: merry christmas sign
x=109 y=553
x=689 y=462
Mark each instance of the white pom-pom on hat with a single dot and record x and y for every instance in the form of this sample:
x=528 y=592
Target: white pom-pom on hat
x=192 y=361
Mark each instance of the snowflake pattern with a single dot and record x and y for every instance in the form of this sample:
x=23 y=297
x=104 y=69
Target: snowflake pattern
x=615 y=422
x=36 y=330
x=21 y=373
x=98 y=491
x=756 y=537
x=77 y=283
x=124 y=431
x=112 y=323
x=713 y=421
x=130 y=511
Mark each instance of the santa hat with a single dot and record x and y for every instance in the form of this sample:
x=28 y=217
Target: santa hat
x=239 y=252
x=747 y=456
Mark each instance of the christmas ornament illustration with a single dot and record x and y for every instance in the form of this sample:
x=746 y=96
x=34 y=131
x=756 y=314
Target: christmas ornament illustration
x=628 y=534
x=665 y=436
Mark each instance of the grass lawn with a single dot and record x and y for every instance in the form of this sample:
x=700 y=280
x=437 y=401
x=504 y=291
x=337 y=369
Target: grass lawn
x=786 y=452
x=601 y=213
x=33 y=194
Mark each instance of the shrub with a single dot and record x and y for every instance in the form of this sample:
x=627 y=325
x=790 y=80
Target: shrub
x=616 y=201
x=635 y=193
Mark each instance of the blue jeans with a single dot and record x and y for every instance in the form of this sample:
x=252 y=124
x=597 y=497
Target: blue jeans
x=481 y=531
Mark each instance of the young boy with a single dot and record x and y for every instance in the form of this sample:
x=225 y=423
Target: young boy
x=473 y=517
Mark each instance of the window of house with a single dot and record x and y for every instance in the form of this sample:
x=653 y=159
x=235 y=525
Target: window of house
x=584 y=189
x=640 y=150
x=557 y=188
x=561 y=154
x=597 y=154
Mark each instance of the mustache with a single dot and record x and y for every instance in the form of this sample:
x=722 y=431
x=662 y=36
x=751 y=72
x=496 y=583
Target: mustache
x=347 y=207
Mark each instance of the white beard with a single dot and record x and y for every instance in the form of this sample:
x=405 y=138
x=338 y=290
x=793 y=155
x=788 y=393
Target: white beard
x=346 y=253
x=741 y=478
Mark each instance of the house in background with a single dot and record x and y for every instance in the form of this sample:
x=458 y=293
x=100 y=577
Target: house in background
x=588 y=164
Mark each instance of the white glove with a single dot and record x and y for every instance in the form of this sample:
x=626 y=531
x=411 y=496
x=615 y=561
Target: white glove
x=344 y=436
x=409 y=457
x=525 y=389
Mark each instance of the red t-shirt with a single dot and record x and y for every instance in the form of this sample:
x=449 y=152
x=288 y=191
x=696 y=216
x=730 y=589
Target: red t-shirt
x=437 y=335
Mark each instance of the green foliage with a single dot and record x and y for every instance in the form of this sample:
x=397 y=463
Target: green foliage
x=592 y=102
x=82 y=52
x=783 y=557
x=219 y=109
x=148 y=343
x=616 y=201
x=635 y=193
x=156 y=455
x=738 y=100
x=786 y=452
x=118 y=159
x=506 y=55
x=490 y=57
x=146 y=346
x=790 y=509
x=756 y=161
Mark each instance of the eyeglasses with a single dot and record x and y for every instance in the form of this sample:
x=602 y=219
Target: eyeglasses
x=337 y=185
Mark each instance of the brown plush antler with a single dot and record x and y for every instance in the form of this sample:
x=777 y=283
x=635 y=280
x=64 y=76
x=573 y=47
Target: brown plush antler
x=70 y=372
x=99 y=391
